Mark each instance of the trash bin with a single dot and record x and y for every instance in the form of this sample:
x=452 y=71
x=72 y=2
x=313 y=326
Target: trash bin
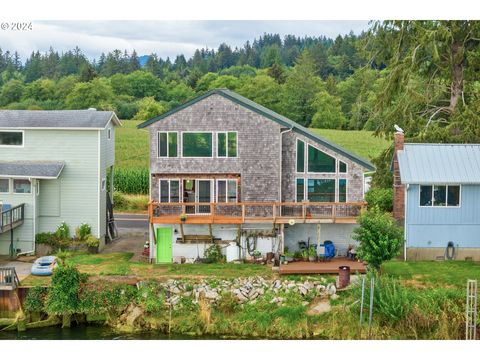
x=343 y=276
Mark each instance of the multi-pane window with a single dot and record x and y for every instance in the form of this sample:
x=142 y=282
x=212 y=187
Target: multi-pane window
x=300 y=190
x=169 y=191
x=321 y=190
x=342 y=167
x=11 y=138
x=439 y=195
x=300 y=156
x=167 y=144
x=22 y=186
x=226 y=191
x=342 y=190
x=320 y=162
x=4 y=185
x=197 y=144
x=227 y=144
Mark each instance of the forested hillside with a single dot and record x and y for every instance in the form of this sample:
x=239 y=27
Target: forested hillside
x=418 y=74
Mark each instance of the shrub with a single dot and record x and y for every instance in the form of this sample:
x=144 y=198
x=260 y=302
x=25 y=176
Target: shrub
x=52 y=240
x=92 y=241
x=383 y=198
x=63 y=231
x=151 y=297
x=35 y=300
x=131 y=181
x=379 y=237
x=83 y=231
x=62 y=295
x=101 y=298
x=213 y=254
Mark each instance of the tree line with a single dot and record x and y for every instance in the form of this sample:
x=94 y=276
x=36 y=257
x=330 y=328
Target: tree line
x=420 y=75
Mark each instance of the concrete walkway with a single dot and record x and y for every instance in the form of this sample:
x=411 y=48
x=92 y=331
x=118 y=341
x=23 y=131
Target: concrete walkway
x=23 y=269
x=130 y=240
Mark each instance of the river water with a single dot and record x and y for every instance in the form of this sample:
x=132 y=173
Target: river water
x=91 y=333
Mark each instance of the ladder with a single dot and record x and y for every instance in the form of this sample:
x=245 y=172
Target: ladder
x=112 y=231
x=471 y=311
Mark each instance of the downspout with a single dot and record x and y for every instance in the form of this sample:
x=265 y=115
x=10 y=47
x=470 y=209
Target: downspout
x=405 y=223
x=34 y=193
x=282 y=245
x=281 y=162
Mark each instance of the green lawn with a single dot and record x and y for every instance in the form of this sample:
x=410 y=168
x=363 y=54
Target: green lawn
x=362 y=143
x=132 y=145
x=119 y=264
x=434 y=273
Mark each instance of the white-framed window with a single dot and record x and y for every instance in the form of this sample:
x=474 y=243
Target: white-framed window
x=169 y=191
x=300 y=158
x=342 y=167
x=104 y=184
x=109 y=134
x=4 y=186
x=11 y=138
x=319 y=161
x=196 y=144
x=167 y=144
x=226 y=144
x=440 y=195
x=342 y=190
x=22 y=186
x=227 y=190
x=300 y=190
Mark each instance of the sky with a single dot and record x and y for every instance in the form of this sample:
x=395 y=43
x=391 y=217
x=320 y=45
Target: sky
x=166 y=38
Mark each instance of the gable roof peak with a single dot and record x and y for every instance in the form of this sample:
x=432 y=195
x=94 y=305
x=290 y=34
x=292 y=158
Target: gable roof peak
x=268 y=113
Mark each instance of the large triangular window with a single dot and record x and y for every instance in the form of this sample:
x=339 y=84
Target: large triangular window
x=320 y=162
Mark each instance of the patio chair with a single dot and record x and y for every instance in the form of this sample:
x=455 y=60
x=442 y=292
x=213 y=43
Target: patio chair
x=329 y=249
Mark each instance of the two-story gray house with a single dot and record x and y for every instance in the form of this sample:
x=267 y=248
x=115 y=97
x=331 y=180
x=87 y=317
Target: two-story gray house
x=53 y=169
x=223 y=169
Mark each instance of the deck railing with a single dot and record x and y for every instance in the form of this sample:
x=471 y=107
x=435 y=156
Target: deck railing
x=10 y=218
x=8 y=278
x=251 y=211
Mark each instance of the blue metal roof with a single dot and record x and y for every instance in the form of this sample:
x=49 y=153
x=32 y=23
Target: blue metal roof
x=440 y=164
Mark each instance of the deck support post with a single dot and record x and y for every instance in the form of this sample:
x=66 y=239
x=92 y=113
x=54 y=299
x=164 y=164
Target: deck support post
x=210 y=232
x=181 y=232
x=318 y=235
x=282 y=239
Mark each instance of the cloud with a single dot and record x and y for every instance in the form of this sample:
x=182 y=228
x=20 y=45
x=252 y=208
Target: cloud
x=166 y=38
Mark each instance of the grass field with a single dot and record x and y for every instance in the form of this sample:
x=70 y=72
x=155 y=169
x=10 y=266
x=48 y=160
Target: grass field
x=132 y=148
x=434 y=273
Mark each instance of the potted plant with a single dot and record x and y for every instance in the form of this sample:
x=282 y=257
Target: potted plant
x=183 y=217
x=305 y=255
x=312 y=254
x=92 y=243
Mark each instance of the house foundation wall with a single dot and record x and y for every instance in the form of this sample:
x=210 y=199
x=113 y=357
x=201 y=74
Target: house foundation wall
x=462 y=254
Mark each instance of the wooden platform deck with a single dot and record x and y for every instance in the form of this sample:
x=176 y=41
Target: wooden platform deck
x=322 y=267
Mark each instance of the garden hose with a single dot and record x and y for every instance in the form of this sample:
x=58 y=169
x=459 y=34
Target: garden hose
x=450 y=251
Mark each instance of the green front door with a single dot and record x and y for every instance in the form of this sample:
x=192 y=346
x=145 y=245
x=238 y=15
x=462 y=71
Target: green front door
x=164 y=245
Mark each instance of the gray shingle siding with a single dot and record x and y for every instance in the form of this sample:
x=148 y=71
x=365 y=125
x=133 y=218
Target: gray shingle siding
x=258 y=157
x=354 y=173
x=258 y=153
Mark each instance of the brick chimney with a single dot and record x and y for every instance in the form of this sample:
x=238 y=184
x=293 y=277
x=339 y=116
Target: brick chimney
x=398 y=187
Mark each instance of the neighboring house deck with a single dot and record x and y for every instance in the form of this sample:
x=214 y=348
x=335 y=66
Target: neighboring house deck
x=223 y=167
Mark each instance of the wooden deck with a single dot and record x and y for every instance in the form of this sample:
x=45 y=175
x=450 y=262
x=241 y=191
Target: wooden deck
x=322 y=267
x=12 y=218
x=255 y=212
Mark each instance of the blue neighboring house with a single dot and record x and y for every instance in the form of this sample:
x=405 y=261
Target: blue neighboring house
x=437 y=198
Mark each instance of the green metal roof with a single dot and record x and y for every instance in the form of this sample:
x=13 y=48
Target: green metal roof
x=270 y=114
